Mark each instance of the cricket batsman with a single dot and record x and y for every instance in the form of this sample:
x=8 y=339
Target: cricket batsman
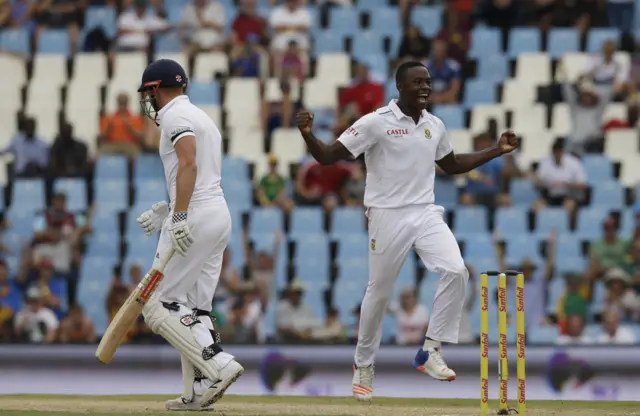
x=402 y=143
x=196 y=224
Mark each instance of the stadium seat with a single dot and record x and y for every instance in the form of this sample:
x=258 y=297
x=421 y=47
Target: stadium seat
x=54 y=41
x=112 y=193
x=518 y=94
x=319 y=94
x=543 y=334
x=273 y=90
x=15 y=40
x=562 y=40
x=352 y=246
x=452 y=115
x=384 y=20
x=608 y=194
x=347 y=220
x=150 y=191
x=596 y=37
x=552 y=219
x=367 y=43
x=471 y=220
x=75 y=191
x=561 y=120
x=481 y=114
x=325 y=41
x=344 y=21
x=306 y=221
x=378 y=65
x=111 y=167
x=484 y=41
x=446 y=192
x=103 y=244
x=520 y=246
x=353 y=272
x=523 y=40
x=106 y=223
x=101 y=17
x=511 y=220
x=208 y=64
x=27 y=195
x=142 y=246
x=568 y=245
x=204 y=93
x=168 y=42
x=460 y=140
x=428 y=19
x=598 y=168
x=590 y=221
x=493 y=68
x=531 y=118
x=238 y=193
x=265 y=220
x=235 y=167
x=478 y=91
x=571 y=264
x=522 y=192
x=621 y=145
x=334 y=67
x=534 y=68
x=148 y=166
x=478 y=245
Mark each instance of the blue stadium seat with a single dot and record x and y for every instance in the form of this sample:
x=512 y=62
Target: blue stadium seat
x=446 y=193
x=147 y=166
x=596 y=37
x=378 y=65
x=367 y=43
x=557 y=290
x=235 y=167
x=590 y=221
x=628 y=224
x=484 y=41
x=15 y=41
x=107 y=223
x=238 y=193
x=493 y=68
x=568 y=245
x=452 y=115
x=150 y=191
x=390 y=90
x=562 y=40
x=204 y=92
x=58 y=288
x=608 y=194
x=427 y=18
x=353 y=246
x=27 y=195
x=511 y=220
x=522 y=40
x=169 y=42
x=311 y=246
x=112 y=193
x=598 y=167
x=103 y=244
x=174 y=12
x=101 y=17
x=265 y=242
x=478 y=245
x=142 y=246
x=95 y=276
x=324 y=117
x=599 y=297
x=55 y=41
x=522 y=192
x=427 y=292
x=76 y=191
x=306 y=221
x=571 y=264
x=543 y=334
x=325 y=41
x=14 y=239
x=552 y=218
x=471 y=220
x=520 y=246
x=477 y=91
x=265 y=221
x=111 y=167
x=313 y=271
x=384 y=20
x=348 y=220
x=344 y=21
x=353 y=272
x=371 y=4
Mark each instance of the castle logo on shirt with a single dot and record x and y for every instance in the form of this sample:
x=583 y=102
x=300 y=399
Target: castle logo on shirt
x=398 y=132
x=427 y=133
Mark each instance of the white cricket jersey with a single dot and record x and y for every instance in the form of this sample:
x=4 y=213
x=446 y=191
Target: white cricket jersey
x=400 y=155
x=178 y=119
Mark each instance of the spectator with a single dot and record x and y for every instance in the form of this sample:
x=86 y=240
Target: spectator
x=621 y=14
x=353 y=192
x=77 y=328
x=42 y=278
x=584 y=15
x=246 y=58
x=456 y=35
x=122 y=132
x=116 y=296
x=18 y=13
x=248 y=22
x=620 y=293
x=272 y=189
x=35 y=323
x=445 y=75
x=572 y=302
x=262 y=269
x=414 y=45
x=202 y=26
x=366 y=94
x=290 y=22
x=69 y=156
x=244 y=321
x=586 y=104
x=485 y=184
x=503 y=14
x=607 y=253
x=292 y=64
x=228 y=284
x=60 y=14
x=10 y=298
x=317 y=184
x=613 y=332
x=135 y=276
x=30 y=152
x=295 y=320
x=412 y=318
x=561 y=179
x=631 y=121
x=136 y=26
x=332 y=332
x=606 y=71
x=575 y=332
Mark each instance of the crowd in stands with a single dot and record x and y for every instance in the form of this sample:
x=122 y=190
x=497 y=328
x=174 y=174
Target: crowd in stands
x=81 y=162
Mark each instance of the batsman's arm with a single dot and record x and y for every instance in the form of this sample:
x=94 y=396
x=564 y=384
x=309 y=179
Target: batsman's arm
x=182 y=136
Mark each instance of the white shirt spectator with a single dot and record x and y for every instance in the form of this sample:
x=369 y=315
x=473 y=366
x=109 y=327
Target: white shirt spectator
x=568 y=340
x=36 y=324
x=555 y=177
x=207 y=24
x=400 y=155
x=290 y=24
x=410 y=325
x=623 y=336
x=137 y=28
x=612 y=72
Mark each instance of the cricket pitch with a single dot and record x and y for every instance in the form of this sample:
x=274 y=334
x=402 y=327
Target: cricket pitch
x=36 y=405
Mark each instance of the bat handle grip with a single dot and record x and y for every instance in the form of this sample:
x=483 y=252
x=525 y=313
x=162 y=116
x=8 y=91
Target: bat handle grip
x=164 y=259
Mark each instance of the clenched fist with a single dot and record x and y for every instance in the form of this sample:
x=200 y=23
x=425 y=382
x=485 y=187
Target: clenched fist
x=508 y=142
x=305 y=121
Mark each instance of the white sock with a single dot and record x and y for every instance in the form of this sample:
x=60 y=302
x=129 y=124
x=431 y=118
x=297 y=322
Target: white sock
x=430 y=344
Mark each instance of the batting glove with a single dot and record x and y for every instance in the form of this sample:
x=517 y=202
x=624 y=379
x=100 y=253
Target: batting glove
x=180 y=234
x=152 y=220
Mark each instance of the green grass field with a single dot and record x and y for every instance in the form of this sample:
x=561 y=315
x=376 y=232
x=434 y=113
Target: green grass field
x=32 y=405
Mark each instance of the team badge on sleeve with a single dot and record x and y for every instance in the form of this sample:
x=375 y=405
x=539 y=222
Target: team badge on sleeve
x=373 y=244
x=427 y=133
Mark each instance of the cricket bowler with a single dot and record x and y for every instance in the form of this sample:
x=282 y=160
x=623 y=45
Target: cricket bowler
x=196 y=223
x=402 y=143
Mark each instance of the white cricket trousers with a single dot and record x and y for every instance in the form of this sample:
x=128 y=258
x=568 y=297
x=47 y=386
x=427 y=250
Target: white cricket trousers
x=191 y=281
x=392 y=234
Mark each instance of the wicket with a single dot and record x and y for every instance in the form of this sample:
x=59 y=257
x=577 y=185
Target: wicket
x=503 y=363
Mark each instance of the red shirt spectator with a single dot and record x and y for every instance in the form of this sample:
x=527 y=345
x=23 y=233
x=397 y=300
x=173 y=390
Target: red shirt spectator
x=249 y=22
x=367 y=94
x=318 y=184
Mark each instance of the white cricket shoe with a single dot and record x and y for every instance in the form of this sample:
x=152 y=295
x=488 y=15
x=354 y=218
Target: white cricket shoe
x=429 y=361
x=362 y=384
x=183 y=405
x=228 y=375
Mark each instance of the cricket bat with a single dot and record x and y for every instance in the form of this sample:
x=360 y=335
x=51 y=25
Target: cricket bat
x=130 y=310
